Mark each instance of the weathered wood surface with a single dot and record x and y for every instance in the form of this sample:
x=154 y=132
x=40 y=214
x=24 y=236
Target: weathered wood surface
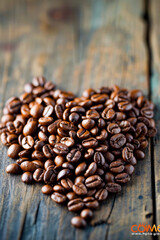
x=96 y=43
x=155 y=89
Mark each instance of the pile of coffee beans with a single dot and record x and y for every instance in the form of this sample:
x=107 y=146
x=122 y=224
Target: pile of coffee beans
x=82 y=148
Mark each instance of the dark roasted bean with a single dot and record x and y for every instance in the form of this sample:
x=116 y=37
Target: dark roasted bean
x=38 y=175
x=13 y=168
x=58 y=197
x=113 y=187
x=79 y=189
x=27 y=177
x=101 y=194
x=93 y=181
x=47 y=190
x=91 y=203
x=75 y=205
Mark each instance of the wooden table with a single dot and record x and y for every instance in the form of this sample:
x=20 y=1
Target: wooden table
x=80 y=44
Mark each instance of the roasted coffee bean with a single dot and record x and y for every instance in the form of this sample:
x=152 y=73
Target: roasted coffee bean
x=36 y=110
x=80 y=169
x=128 y=168
x=79 y=179
x=38 y=175
x=68 y=165
x=28 y=142
x=59 y=160
x=48 y=163
x=63 y=174
x=117 y=141
x=38 y=163
x=67 y=184
x=122 y=178
x=113 y=187
x=91 y=203
x=59 y=188
x=58 y=197
x=101 y=194
x=59 y=108
x=83 y=133
x=78 y=222
x=92 y=114
x=73 y=156
x=49 y=176
x=109 y=156
x=75 y=205
x=92 y=168
x=124 y=106
x=113 y=128
x=86 y=214
x=117 y=166
x=139 y=154
x=79 y=189
x=108 y=114
x=28 y=166
x=73 y=117
x=90 y=143
x=93 y=181
x=14 y=106
x=13 y=168
x=52 y=128
x=48 y=151
x=30 y=128
x=13 y=150
x=99 y=159
x=69 y=142
x=27 y=177
x=45 y=121
x=109 y=177
x=127 y=154
x=47 y=190
x=53 y=139
x=71 y=195
x=60 y=149
x=88 y=123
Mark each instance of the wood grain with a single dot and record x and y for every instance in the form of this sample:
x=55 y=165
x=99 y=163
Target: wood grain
x=98 y=43
x=155 y=90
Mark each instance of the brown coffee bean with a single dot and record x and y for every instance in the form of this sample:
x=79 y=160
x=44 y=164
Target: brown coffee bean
x=28 y=142
x=139 y=154
x=86 y=214
x=99 y=159
x=128 y=168
x=93 y=181
x=67 y=184
x=58 y=197
x=59 y=188
x=83 y=133
x=79 y=189
x=91 y=203
x=90 y=143
x=122 y=178
x=127 y=154
x=28 y=166
x=71 y=195
x=88 y=123
x=73 y=156
x=60 y=149
x=92 y=168
x=117 y=140
x=63 y=174
x=13 y=168
x=92 y=114
x=13 y=150
x=36 y=111
x=49 y=176
x=101 y=194
x=52 y=128
x=78 y=222
x=47 y=190
x=113 y=187
x=113 y=128
x=108 y=114
x=124 y=106
x=79 y=179
x=69 y=142
x=38 y=175
x=80 y=169
x=117 y=166
x=75 y=205
x=30 y=128
x=27 y=177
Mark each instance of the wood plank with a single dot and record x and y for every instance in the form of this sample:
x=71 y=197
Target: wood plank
x=101 y=44
x=155 y=90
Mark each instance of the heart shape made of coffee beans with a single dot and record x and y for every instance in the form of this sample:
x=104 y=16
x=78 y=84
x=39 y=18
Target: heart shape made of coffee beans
x=82 y=148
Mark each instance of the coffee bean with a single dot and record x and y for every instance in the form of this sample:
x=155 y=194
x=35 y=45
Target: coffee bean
x=79 y=189
x=58 y=188
x=83 y=133
x=27 y=177
x=86 y=214
x=60 y=149
x=92 y=114
x=117 y=140
x=67 y=184
x=28 y=166
x=117 y=166
x=113 y=187
x=80 y=169
x=63 y=174
x=73 y=156
x=93 y=181
x=69 y=142
x=122 y=178
x=13 y=168
x=113 y=128
x=28 y=142
x=47 y=190
x=78 y=222
x=92 y=168
x=38 y=175
x=13 y=150
x=88 y=123
x=49 y=176
x=71 y=195
x=99 y=159
x=90 y=143
x=91 y=203
x=79 y=179
x=58 y=197
x=108 y=114
x=101 y=194
x=75 y=205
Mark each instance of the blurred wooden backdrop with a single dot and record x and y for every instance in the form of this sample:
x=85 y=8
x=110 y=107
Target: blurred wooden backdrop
x=80 y=44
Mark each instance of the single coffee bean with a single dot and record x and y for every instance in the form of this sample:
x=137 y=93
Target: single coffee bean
x=113 y=187
x=75 y=205
x=67 y=184
x=78 y=222
x=139 y=154
x=69 y=142
x=92 y=168
x=128 y=168
x=93 y=181
x=117 y=140
x=38 y=175
x=71 y=195
x=79 y=189
x=47 y=190
x=90 y=143
x=101 y=194
x=86 y=214
x=127 y=154
x=117 y=166
x=83 y=133
x=13 y=168
x=59 y=188
x=91 y=203
x=63 y=174
x=49 y=176
x=80 y=169
x=58 y=197
x=27 y=177
x=73 y=156
x=79 y=179
x=28 y=142
x=13 y=150
x=60 y=149
x=99 y=159
x=113 y=128
x=28 y=166
x=122 y=178
x=88 y=123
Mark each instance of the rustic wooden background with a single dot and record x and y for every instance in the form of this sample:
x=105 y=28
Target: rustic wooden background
x=80 y=44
